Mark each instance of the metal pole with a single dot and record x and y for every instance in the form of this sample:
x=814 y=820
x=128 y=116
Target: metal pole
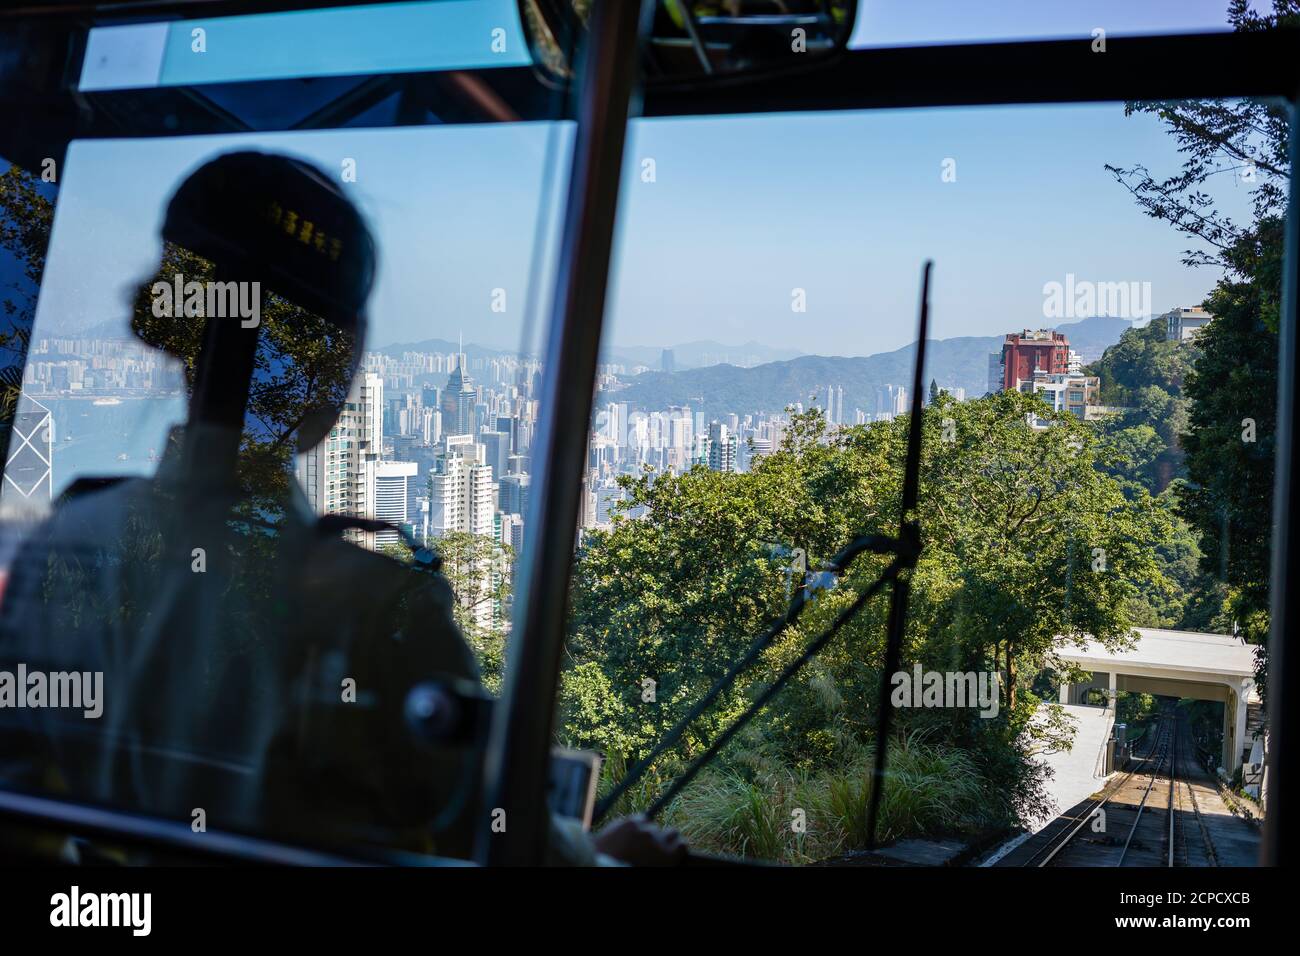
x=1284 y=663
x=518 y=752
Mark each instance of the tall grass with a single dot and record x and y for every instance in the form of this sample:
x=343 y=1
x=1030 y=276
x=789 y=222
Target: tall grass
x=929 y=790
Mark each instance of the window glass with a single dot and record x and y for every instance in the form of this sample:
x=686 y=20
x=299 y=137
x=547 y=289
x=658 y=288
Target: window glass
x=888 y=23
x=270 y=397
x=1093 y=485
x=388 y=37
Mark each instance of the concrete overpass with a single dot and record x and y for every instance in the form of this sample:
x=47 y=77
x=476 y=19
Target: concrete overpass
x=1188 y=664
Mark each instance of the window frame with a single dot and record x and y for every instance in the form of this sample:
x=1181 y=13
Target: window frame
x=1063 y=71
x=983 y=74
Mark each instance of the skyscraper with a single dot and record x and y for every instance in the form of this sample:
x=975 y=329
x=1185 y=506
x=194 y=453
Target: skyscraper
x=496 y=447
x=432 y=433
x=995 y=373
x=390 y=498
x=31 y=452
x=616 y=422
x=462 y=497
x=458 y=401
x=722 y=448
x=337 y=475
x=513 y=493
x=512 y=532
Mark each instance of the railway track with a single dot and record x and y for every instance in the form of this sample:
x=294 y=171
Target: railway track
x=1190 y=839
x=1147 y=817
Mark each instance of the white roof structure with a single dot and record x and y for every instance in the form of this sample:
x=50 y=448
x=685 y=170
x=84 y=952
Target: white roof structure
x=1198 y=654
x=1185 y=664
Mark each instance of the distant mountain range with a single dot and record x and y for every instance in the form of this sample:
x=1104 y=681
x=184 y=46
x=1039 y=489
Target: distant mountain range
x=698 y=354
x=758 y=378
x=685 y=356
x=106 y=330
x=954 y=363
x=1091 y=337
x=472 y=351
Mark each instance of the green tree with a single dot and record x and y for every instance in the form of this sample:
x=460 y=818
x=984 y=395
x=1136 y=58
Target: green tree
x=26 y=215
x=478 y=570
x=1036 y=540
x=1144 y=374
x=1029 y=542
x=1229 y=498
x=1231 y=439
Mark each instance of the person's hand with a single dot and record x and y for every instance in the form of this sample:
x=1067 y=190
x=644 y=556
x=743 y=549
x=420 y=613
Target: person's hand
x=637 y=841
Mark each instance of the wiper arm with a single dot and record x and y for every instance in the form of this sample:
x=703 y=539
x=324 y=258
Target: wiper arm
x=907 y=524
x=906 y=548
x=877 y=543
x=809 y=652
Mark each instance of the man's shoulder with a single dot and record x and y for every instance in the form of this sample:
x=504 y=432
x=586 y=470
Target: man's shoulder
x=335 y=558
x=380 y=594
x=85 y=521
x=378 y=582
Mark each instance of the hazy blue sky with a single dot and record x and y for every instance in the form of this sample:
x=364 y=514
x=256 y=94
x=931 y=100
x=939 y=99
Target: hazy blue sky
x=742 y=210
x=848 y=205
x=454 y=209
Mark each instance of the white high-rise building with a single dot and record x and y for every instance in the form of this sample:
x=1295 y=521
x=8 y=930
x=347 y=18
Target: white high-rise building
x=391 y=498
x=337 y=475
x=607 y=495
x=1183 y=323
x=512 y=532
x=432 y=426
x=616 y=422
x=463 y=498
x=679 y=431
x=721 y=448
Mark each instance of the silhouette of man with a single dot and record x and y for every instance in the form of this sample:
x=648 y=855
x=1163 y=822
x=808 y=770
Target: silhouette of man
x=255 y=663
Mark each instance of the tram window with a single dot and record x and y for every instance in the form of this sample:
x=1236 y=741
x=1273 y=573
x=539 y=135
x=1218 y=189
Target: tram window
x=266 y=597
x=1085 y=479
x=305 y=43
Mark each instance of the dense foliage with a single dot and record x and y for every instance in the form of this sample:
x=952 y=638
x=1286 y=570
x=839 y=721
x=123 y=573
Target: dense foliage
x=26 y=215
x=1029 y=541
x=1144 y=374
x=1229 y=441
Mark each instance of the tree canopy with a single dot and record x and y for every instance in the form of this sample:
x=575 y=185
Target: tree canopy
x=1029 y=542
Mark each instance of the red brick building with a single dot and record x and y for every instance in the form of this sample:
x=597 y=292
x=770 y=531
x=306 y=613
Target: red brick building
x=1024 y=352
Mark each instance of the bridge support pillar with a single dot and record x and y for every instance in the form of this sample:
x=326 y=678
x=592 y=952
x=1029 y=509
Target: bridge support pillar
x=1234 y=726
x=1064 y=697
x=1112 y=694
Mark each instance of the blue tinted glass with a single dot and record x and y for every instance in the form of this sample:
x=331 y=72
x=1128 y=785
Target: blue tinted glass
x=384 y=38
x=882 y=23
